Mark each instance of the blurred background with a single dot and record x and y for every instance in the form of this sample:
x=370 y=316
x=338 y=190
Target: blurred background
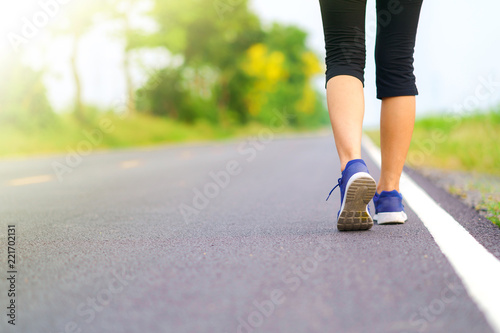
x=173 y=71
x=167 y=71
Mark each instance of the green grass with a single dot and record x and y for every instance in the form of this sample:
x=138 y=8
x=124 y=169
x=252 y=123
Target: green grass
x=65 y=133
x=492 y=208
x=470 y=143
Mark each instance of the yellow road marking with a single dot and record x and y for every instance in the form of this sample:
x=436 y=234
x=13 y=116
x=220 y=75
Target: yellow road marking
x=30 y=180
x=186 y=155
x=129 y=164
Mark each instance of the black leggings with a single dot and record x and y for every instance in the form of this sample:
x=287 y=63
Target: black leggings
x=344 y=28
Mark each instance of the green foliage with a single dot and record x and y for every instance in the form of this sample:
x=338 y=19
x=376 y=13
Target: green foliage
x=209 y=84
x=23 y=101
x=463 y=145
x=193 y=29
x=451 y=142
x=290 y=40
x=134 y=131
x=233 y=70
x=165 y=95
x=492 y=208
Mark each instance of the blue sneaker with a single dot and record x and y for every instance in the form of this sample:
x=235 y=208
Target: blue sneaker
x=389 y=208
x=357 y=188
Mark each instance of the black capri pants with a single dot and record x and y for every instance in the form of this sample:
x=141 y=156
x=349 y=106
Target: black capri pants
x=344 y=28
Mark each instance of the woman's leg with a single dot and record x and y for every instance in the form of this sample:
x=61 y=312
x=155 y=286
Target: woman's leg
x=396 y=127
x=346 y=107
x=396 y=33
x=344 y=29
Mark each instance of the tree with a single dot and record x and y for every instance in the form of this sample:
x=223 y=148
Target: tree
x=231 y=69
x=79 y=19
x=122 y=11
x=23 y=100
x=211 y=47
x=282 y=68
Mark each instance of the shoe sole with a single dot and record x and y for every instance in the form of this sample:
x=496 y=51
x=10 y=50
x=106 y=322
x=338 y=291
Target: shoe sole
x=354 y=211
x=391 y=218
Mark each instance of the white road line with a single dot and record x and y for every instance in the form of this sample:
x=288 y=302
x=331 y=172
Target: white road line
x=30 y=180
x=478 y=269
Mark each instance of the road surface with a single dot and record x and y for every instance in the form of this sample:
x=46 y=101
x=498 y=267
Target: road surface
x=219 y=237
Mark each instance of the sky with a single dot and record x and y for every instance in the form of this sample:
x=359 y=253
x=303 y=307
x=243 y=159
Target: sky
x=456 y=59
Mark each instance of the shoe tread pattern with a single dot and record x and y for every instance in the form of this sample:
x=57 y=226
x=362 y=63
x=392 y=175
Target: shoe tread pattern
x=354 y=215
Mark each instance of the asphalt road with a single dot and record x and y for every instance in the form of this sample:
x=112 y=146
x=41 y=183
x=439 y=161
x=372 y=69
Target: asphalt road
x=125 y=242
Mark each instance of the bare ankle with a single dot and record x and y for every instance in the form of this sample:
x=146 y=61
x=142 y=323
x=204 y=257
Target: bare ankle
x=387 y=187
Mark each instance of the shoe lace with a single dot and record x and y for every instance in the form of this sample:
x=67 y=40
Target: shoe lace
x=334 y=188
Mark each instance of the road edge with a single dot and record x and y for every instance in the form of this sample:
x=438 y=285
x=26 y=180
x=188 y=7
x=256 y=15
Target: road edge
x=476 y=266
